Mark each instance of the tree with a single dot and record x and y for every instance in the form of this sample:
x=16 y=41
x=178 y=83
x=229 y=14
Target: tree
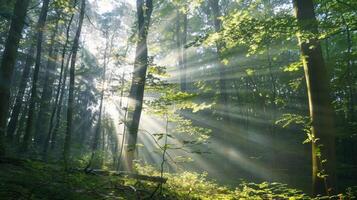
x=57 y=108
x=8 y=63
x=75 y=47
x=181 y=40
x=39 y=39
x=44 y=110
x=321 y=112
x=98 y=128
x=136 y=95
x=223 y=98
x=11 y=128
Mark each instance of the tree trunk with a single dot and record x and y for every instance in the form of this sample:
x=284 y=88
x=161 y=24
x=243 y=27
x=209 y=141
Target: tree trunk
x=43 y=116
x=12 y=125
x=22 y=121
x=321 y=112
x=178 y=45
x=96 y=138
x=67 y=140
x=180 y=41
x=350 y=74
x=59 y=106
x=59 y=92
x=8 y=63
x=136 y=95
x=223 y=98
x=184 y=54
x=122 y=80
x=30 y=116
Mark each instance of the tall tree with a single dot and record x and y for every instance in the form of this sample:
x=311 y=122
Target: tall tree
x=184 y=52
x=58 y=112
x=223 y=98
x=98 y=129
x=44 y=110
x=39 y=39
x=181 y=40
x=11 y=128
x=57 y=108
x=75 y=47
x=8 y=63
x=136 y=95
x=321 y=112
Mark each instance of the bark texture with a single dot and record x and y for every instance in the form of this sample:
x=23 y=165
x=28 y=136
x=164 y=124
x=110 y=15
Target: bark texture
x=44 y=112
x=8 y=63
x=12 y=125
x=321 y=112
x=136 y=95
x=30 y=116
x=67 y=140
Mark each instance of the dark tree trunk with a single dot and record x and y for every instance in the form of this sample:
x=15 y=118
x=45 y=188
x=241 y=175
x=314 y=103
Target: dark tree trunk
x=59 y=106
x=223 y=99
x=8 y=63
x=136 y=95
x=22 y=120
x=321 y=112
x=11 y=128
x=67 y=140
x=59 y=94
x=350 y=73
x=29 y=125
x=44 y=115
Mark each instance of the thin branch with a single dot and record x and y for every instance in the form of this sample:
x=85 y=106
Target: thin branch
x=346 y=4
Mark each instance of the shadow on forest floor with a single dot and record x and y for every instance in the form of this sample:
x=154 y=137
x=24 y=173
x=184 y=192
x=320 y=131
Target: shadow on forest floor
x=26 y=179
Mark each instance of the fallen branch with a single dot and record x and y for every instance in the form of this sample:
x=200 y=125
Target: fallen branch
x=155 y=179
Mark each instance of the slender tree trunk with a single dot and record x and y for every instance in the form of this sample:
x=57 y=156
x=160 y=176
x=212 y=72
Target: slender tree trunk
x=11 y=127
x=96 y=138
x=123 y=139
x=321 y=112
x=122 y=80
x=29 y=125
x=181 y=40
x=144 y=11
x=60 y=104
x=8 y=63
x=350 y=74
x=44 y=116
x=184 y=53
x=59 y=94
x=122 y=83
x=22 y=120
x=223 y=100
x=67 y=140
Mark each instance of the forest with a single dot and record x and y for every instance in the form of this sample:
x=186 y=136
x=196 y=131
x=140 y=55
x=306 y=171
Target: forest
x=178 y=99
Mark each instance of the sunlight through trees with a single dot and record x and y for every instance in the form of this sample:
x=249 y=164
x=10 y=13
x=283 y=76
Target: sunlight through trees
x=178 y=99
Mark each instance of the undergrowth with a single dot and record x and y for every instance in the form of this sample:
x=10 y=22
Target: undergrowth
x=33 y=180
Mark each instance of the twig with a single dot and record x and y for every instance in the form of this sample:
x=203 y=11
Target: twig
x=157 y=143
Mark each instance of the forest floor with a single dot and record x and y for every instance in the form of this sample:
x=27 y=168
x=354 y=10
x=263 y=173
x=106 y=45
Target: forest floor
x=32 y=180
